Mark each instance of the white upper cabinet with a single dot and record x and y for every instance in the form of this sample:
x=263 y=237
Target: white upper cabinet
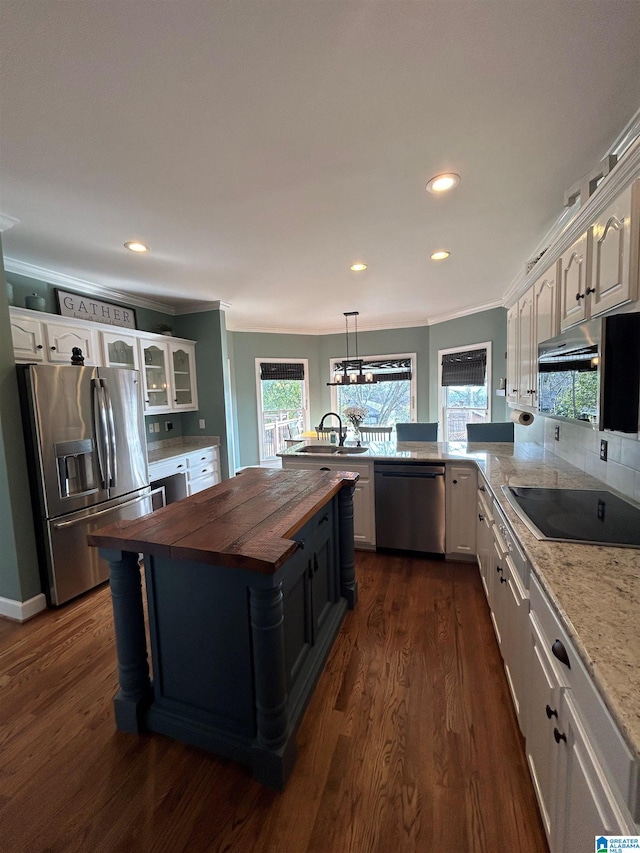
x=120 y=350
x=182 y=361
x=526 y=359
x=513 y=354
x=600 y=271
x=167 y=365
x=614 y=239
x=546 y=306
x=155 y=375
x=573 y=283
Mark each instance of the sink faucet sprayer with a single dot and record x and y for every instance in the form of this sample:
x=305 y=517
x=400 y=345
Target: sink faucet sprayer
x=341 y=434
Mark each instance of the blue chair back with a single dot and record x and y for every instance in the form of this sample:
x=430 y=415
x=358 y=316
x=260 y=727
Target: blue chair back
x=417 y=432
x=490 y=432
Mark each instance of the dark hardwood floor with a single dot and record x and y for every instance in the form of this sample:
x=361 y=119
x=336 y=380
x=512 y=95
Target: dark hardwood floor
x=410 y=742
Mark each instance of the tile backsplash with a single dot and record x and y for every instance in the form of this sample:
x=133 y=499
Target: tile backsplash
x=580 y=445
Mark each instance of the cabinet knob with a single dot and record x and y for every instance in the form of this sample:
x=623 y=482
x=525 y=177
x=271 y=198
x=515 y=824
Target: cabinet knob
x=504 y=580
x=560 y=652
x=325 y=469
x=559 y=736
x=482 y=489
x=300 y=544
x=591 y=290
x=324 y=518
x=499 y=569
x=551 y=712
x=480 y=517
x=454 y=482
x=39 y=346
x=52 y=348
x=579 y=296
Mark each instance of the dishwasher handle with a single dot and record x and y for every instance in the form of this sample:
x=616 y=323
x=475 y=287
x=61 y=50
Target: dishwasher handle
x=422 y=476
x=408 y=470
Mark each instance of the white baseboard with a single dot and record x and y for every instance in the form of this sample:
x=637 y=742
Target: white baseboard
x=20 y=611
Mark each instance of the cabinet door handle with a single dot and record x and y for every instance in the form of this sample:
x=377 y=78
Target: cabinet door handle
x=325 y=469
x=300 y=544
x=324 y=518
x=559 y=736
x=480 y=517
x=551 y=712
x=560 y=652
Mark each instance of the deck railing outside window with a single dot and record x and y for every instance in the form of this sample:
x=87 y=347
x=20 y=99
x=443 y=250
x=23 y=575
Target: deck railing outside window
x=279 y=426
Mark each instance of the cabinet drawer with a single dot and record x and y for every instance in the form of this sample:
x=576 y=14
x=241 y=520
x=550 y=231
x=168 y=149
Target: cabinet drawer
x=606 y=738
x=206 y=456
x=198 y=484
x=203 y=469
x=175 y=465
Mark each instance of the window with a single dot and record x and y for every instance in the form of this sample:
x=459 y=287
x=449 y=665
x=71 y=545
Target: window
x=388 y=400
x=283 y=392
x=464 y=381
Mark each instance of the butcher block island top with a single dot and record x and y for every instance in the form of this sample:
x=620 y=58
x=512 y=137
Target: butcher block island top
x=246 y=522
x=246 y=584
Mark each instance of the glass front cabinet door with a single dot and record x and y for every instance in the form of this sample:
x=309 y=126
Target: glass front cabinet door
x=155 y=359
x=185 y=395
x=120 y=350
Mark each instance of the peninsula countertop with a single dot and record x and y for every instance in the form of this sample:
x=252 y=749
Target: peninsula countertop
x=595 y=589
x=246 y=522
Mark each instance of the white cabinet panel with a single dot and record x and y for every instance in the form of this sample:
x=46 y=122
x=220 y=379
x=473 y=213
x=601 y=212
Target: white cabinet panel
x=62 y=338
x=28 y=338
x=120 y=350
x=461 y=498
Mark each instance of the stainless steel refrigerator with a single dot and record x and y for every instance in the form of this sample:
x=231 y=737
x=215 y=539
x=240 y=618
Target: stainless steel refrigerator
x=84 y=429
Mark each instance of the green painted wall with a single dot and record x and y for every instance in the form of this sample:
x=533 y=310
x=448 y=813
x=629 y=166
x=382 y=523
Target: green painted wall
x=209 y=329
x=19 y=575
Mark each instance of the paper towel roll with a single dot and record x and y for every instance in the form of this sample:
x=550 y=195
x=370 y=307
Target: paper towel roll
x=522 y=418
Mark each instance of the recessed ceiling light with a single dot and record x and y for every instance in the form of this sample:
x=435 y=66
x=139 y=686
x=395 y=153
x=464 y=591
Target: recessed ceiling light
x=442 y=183
x=440 y=255
x=358 y=267
x=136 y=246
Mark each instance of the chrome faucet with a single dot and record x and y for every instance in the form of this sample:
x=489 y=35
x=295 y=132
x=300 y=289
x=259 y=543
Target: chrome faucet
x=341 y=434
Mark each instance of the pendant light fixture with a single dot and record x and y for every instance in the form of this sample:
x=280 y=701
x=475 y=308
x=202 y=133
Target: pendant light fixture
x=349 y=371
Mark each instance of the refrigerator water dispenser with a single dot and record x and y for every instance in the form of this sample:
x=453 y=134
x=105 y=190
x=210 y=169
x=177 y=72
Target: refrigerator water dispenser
x=75 y=468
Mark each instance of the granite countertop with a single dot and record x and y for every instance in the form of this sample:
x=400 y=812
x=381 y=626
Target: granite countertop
x=595 y=589
x=160 y=451
x=247 y=522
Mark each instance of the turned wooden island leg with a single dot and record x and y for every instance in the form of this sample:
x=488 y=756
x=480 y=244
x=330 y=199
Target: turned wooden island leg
x=135 y=692
x=348 y=582
x=273 y=757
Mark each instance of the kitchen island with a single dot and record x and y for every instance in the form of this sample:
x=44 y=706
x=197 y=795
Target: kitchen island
x=247 y=584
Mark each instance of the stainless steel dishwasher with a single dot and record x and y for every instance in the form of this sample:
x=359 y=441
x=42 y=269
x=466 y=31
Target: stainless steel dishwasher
x=410 y=506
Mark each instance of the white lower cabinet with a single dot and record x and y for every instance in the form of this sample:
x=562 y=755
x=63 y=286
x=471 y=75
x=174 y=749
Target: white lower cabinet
x=584 y=775
x=364 y=521
x=203 y=470
x=461 y=486
x=186 y=473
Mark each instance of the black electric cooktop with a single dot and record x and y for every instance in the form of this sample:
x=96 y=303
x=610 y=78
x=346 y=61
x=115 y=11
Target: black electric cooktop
x=577 y=515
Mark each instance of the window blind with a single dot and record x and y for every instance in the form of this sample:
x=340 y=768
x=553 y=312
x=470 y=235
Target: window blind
x=464 y=368
x=281 y=370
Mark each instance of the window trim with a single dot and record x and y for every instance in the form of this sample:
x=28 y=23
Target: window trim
x=259 y=410
x=413 y=382
x=447 y=351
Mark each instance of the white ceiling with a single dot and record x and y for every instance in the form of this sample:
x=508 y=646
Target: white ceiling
x=262 y=147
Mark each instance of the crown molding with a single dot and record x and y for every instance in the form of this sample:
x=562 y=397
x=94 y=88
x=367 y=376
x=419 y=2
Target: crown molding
x=7 y=222
x=373 y=327
x=63 y=280
x=626 y=170
x=201 y=307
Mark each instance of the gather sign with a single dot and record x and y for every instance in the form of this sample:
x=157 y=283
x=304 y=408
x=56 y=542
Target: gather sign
x=94 y=310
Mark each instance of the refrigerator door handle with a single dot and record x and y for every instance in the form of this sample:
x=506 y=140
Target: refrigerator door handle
x=60 y=525
x=113 y=456
x=101 y=429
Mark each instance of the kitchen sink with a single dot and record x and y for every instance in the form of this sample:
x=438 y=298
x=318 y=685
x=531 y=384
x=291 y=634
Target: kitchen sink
x=344 y=451
x=318 y=448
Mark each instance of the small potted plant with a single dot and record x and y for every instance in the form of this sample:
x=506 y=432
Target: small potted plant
x=165 y=329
